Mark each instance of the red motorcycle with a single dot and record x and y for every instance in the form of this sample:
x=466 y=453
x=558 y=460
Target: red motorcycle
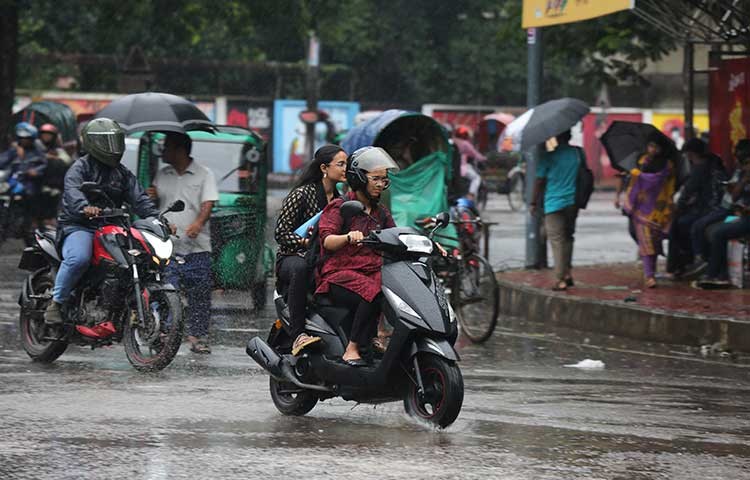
x=121 y=298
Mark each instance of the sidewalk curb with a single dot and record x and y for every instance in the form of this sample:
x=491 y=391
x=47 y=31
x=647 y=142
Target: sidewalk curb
x=615 y=318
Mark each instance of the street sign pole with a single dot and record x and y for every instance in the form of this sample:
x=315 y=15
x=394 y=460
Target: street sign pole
x=313 y=66
x=533 y=96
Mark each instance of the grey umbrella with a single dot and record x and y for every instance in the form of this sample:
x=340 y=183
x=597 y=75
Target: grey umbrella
x=544 y=121
x=153 y=111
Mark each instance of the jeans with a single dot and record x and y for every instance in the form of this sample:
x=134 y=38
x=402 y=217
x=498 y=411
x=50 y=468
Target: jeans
x=294 y=279
x=561 y=227
x=717 y=263
x=698 y=231
x=77 y=249
x=475 y=179
x=193 y=278
x=680 y=248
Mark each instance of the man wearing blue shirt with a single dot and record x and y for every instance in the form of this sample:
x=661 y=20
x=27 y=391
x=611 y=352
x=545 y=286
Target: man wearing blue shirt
x=556 y=178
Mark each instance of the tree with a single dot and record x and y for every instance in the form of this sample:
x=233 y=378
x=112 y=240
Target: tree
x=8 y=62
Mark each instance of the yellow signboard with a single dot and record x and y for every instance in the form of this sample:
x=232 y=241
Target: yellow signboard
x=542 y=13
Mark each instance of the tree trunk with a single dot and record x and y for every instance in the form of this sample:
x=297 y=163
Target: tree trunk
x=8 y=65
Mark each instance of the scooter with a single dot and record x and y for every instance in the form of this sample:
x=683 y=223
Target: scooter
x=419 y=366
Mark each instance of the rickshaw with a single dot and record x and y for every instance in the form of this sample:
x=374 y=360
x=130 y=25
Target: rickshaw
x=241 y=259
x=418 y=193
x=504 y=170
x=58 y=114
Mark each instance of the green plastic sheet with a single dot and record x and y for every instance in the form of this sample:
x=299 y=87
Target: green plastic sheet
x=420 y=191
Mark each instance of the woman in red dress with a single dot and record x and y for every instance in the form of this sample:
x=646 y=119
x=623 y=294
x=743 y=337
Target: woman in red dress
x=350 y=274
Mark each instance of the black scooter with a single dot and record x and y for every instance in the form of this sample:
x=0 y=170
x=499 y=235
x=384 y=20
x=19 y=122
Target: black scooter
x=419 y=365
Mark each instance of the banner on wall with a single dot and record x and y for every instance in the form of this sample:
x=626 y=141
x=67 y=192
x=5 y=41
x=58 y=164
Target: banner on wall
x=729 y=94
x=542 y=13
x=289 y=132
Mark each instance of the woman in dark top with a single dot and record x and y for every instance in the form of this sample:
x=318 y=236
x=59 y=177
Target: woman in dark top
x=315 y=189
x=350 y=275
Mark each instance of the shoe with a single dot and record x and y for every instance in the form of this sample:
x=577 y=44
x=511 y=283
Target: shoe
x=696 y=268
x=711 y=283
x=302 y=341
x=53 y=315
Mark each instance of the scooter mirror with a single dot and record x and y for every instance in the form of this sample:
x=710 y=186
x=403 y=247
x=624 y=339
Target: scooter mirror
x=442 y=219
x=177 y=206
x=351 y=209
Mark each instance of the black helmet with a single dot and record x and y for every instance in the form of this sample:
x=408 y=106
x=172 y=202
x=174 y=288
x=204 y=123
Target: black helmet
x=364 y=160
x=104 y=140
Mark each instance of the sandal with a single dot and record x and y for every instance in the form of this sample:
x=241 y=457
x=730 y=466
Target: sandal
x=560 y=287
x=650 y=282
x=355 y=362
x=199 y=346
x=379 y=344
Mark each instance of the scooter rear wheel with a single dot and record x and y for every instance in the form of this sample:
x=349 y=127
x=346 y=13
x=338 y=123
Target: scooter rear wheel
x=290 y=399
x=443 y=391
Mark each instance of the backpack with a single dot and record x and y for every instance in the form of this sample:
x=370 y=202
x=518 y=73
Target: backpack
x=584 y=182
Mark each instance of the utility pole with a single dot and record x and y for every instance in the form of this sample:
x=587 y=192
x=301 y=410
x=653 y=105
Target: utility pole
x=688 y=70
x=313 y=68
x=534 y=246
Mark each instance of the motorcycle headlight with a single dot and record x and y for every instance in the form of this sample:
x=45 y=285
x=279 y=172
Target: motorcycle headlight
x=416 y=243
x=4 y=187
x=162 y=248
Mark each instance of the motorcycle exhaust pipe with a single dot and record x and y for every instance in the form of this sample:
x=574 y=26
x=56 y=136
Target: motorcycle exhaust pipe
x=266 y=357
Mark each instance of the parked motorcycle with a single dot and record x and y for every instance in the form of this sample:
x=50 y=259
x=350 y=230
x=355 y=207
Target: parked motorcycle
x=123 y=297
x=419 y=365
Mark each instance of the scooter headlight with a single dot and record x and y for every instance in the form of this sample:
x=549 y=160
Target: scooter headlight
x=416 y=243
x=162 y=248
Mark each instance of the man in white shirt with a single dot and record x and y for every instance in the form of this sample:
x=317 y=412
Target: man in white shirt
x=184 y=179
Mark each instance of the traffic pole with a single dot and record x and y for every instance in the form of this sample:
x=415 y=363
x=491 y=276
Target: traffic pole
x=313 y=67
x=533 y=96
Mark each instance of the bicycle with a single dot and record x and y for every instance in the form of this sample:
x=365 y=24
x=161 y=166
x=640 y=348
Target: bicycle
x=469 y=282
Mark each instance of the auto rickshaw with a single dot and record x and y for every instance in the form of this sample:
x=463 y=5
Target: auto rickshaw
x=241 y=259
x=58 y=114
x=504 y=170
x=421 y=148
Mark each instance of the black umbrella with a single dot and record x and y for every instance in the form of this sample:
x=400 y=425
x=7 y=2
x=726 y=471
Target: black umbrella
x=544 y=121
x=625 y=142
x=153 y=111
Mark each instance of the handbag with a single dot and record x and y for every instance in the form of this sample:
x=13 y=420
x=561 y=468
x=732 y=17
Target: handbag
x=584 y=182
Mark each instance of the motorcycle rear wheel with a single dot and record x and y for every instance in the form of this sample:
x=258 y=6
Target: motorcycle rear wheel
x=32 y=326
x=443 y=391
x=156 y=355
x=290 y=399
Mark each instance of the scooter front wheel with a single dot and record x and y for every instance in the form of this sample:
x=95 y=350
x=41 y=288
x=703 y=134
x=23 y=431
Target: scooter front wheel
x=443 y=395
x=289 y=399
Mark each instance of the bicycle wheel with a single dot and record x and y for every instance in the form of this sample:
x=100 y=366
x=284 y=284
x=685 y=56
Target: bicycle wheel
x=517 y=192
x=476 y=298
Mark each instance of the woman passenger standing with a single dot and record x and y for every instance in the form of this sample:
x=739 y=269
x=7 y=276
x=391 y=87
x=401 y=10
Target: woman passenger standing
x=314 y=190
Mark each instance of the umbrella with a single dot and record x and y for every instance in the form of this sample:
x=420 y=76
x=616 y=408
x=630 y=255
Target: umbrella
x=502 y=117
x=153 y=111
x=544 y=121
x=625 y=142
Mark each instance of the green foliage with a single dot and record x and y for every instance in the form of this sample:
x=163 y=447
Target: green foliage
x=400 y=51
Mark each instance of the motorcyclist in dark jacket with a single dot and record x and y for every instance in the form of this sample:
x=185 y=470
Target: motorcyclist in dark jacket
x=104 y=141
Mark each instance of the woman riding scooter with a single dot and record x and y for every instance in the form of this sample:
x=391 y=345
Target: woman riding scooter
x=350 y=274
x=314 y=190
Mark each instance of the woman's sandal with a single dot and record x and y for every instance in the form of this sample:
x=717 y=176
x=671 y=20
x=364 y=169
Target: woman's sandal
x=650 y=282
x=200 y=347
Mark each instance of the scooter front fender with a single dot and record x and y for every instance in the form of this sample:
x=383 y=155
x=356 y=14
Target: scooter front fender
x=439 y=347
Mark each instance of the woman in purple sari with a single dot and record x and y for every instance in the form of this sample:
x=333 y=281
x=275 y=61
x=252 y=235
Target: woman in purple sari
x=649 y=201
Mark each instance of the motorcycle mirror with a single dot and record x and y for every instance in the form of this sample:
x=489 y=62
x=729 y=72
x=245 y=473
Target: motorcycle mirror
x=177 y=206
x=442 y=219
x=351 y=209
x=89 y=188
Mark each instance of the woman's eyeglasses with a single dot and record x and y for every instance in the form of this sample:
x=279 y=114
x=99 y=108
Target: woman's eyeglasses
x=382 y=181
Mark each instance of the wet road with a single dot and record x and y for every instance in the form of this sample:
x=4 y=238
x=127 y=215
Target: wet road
x=525 y=416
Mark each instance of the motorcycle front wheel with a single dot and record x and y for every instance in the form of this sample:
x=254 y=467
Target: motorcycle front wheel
x=152 y=346
x=443 y=395
x=35 y=335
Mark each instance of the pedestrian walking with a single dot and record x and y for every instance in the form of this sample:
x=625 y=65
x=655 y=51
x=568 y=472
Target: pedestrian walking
x=556 y=179
x=649 y=201
x=184 y=179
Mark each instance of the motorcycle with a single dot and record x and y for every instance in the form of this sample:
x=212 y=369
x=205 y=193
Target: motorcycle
x=419 y=366
x=122 y=297
x=14 y=220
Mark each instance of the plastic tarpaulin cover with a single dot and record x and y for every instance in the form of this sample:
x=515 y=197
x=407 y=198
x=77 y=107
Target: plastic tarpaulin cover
x=420 y=191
